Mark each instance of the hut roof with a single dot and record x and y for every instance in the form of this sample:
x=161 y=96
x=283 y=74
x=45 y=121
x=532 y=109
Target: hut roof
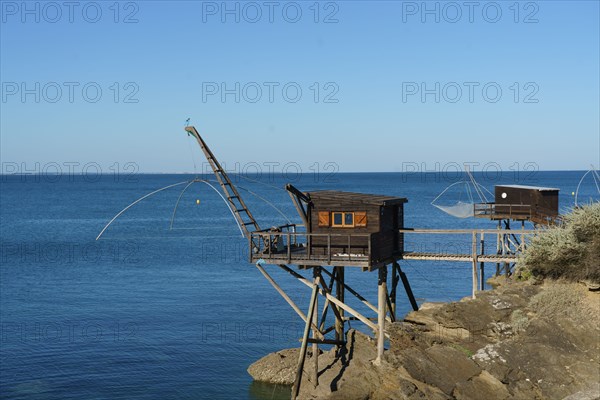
x=359 y=198
x=538 y=188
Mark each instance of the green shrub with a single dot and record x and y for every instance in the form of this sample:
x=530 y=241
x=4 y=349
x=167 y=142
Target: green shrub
x=570 y=251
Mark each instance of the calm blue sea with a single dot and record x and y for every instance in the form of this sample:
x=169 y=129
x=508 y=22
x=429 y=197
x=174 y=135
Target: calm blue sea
x=152 y=313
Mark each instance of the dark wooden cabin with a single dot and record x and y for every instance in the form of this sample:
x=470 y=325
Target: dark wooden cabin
x=342 y=217
x=342 y=229
x=521 y=203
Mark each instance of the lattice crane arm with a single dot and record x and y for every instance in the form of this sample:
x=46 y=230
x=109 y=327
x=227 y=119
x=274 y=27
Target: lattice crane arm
x=241 y=212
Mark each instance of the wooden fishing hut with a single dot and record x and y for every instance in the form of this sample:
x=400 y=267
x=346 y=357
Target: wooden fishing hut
x=342 y=229
x=339 y=230
x=521 y=203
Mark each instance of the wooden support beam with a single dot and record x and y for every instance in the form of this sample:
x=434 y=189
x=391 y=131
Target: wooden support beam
x=474 y=254
x=327 y=303
x=334 y=308
x=481 y=264
x=407 y=288
x=389 y=307
x=302 y=356
x=335 y=301
x=315 y=345
x=339 y=294
x=498 y=248
x=329 y=291
x=327 y=341
x=381 y=303
x=284 y=295
x=395 y=279
x=355 y=293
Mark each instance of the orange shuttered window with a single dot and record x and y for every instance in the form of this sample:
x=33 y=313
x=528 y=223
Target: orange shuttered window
x=360 y=218
x=323 y=218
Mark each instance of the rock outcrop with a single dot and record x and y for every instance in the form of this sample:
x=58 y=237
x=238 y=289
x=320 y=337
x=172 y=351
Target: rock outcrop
x=518 y=341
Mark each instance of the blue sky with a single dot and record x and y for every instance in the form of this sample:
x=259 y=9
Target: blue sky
x=162 y=62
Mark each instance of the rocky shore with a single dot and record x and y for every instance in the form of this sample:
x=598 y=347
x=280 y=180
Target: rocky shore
x=522 y=340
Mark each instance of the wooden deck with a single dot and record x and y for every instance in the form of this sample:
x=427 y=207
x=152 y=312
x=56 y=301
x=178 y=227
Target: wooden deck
x=300 y=256
x=291 y=248
x=492 y=258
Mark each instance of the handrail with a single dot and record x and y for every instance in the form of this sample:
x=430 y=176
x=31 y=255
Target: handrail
x=533 y=213
x=271 y=245
x=467 y=231
x=287 y=226
x=263 y=233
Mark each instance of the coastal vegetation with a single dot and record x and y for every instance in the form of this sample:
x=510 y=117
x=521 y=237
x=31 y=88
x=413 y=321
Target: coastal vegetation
x=569 y=250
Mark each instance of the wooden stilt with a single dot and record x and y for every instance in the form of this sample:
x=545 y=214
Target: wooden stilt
x=394 y=283
x=389 y=307
x=315 y=345
x=328 y=290
x=327 y=303
x=522 y=246
x=382 y=304
x=505 y=246
x=481 y=264
x=339 y=294
x=498 y=249
x=407 y=288
x=302 y=356
x=474 y=254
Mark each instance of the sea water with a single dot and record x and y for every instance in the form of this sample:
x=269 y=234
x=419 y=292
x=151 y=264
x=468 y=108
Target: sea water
x=149 y=312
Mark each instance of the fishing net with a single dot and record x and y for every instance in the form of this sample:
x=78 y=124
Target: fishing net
x=458 y=210
x=457 y=207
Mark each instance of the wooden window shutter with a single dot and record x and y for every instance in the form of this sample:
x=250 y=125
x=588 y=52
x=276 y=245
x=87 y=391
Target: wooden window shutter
x=360 y=218
x=323 y=218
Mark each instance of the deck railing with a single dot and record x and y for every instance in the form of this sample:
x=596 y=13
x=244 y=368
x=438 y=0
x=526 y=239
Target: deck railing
x=515 y=211
x=286 y=241
x=511 y=210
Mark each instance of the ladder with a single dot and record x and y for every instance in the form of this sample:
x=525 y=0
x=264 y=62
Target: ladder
x=240 y=211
